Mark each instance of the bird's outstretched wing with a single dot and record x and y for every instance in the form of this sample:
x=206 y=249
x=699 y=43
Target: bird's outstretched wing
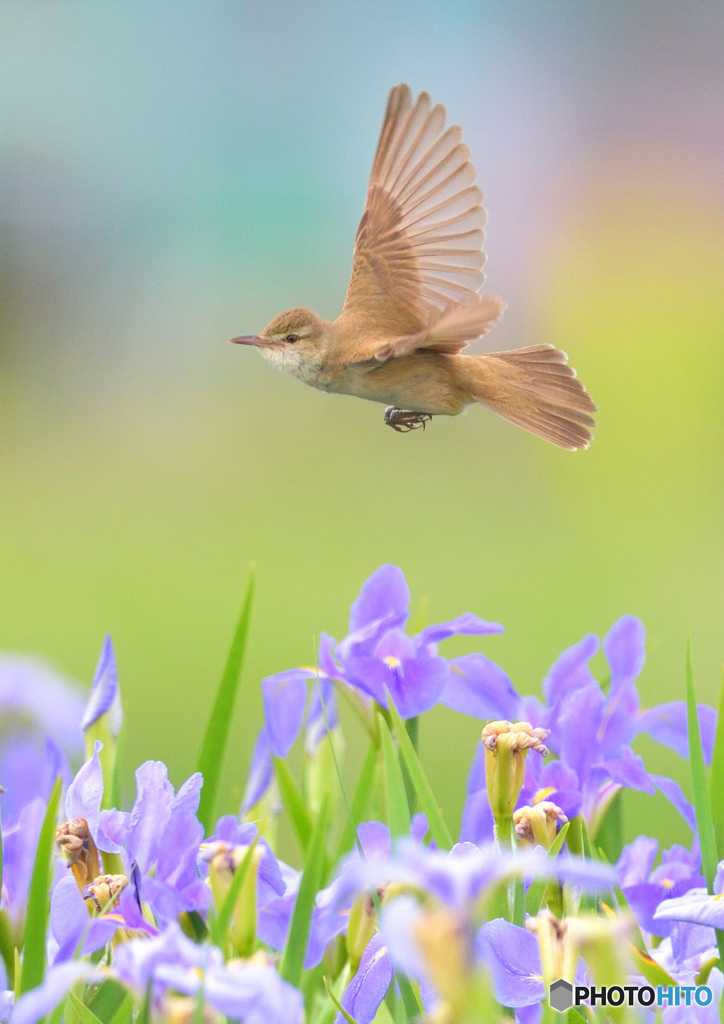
x=418 y=254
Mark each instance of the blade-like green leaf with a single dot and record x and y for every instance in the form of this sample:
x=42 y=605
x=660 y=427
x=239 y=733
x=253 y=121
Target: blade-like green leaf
x=425 y=796
x=398 y=811
x=124 y=1015
x=293 y=803
x=716 y=780
x=702 y=807
x=108 y=999
x=537 y=888
x=36 y=921
x=217 y=731
x=360 y=800
x=348 y=1017
x=651 y=970
x=84 y=1013
x=292 y=962
x=704 y=824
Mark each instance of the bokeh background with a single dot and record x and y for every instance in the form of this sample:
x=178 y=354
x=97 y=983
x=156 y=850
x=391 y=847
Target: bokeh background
x=175 y=174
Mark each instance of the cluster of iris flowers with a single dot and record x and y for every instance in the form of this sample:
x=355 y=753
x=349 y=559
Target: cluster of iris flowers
x=164 y=913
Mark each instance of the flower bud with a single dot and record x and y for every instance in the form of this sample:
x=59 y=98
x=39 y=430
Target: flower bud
x=79 y=849
x=361 y=926
x=102 y=893
x=506 y=748
x=538 y=825
x=224 y=860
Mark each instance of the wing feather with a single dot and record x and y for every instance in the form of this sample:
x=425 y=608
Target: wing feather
x=419 y=245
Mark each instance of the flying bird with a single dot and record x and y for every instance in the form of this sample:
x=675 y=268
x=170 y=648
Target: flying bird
x=414 y=300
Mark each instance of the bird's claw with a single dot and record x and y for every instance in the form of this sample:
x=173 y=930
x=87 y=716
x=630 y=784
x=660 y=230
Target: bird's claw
x=403 y=421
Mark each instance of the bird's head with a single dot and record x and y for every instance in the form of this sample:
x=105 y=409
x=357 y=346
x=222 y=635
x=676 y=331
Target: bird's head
x=291 y=339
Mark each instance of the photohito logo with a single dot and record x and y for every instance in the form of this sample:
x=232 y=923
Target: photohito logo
x=562 y=995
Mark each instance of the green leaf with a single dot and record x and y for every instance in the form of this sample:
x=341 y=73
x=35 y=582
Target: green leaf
x=702 y=807
x=425 y=796
x=293 y=803
x=609 y=835
x=124 y=1014
x=292 y=962
x=537 y=888
x=108 y=999
x=217 y=731
x=360 y=800
x=398 y=811
x=340 y=1008
x=36 y=921
x=716 y=779
x=85 y=1014
x=653 y=972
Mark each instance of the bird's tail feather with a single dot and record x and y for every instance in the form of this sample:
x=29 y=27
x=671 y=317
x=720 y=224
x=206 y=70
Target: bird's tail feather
x=536 y=389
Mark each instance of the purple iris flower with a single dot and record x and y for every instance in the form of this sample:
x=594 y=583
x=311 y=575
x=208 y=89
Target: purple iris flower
x=369 y=986
x=39 y=713
x=512 y=955
x=685 y=970
x=251 y=992
x=377 y=657
x=591 y=730
x=456 y=879
x=29 y=766
x=20 y=842
x=161 y=835
x=39 y=1002
x=646 y=887
x=31 y=694
x=105 y=695
x=261 y=772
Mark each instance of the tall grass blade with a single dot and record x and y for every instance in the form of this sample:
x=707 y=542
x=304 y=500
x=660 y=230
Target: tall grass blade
x=360 y=800
x=702 y=807
x=294 y=804
x=38 y=912
x=425 y=797
x=292 y=962
x=398 y=810
x=213 y=748
x=716 y=780
x=84 y=1013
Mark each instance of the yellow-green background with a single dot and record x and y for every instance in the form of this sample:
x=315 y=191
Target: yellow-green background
x=174 y=174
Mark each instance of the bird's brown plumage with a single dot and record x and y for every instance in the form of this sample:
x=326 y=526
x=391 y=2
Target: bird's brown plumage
x=414 y=300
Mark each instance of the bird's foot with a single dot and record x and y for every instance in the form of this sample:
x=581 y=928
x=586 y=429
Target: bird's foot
x=403 y=422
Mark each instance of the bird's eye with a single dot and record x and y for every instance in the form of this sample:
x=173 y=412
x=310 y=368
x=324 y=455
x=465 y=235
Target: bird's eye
x=291 y=338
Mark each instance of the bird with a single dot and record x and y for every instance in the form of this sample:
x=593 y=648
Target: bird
x=415 y=300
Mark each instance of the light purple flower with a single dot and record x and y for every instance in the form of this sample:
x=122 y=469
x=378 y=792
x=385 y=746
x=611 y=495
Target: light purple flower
x=377 y=657
x=105 y=695
x=35 y=698
x=161 y=835
x=369 y=986
x=39 y=1002
x=252 y=992
x=512 y=955
x=646 y=887
x=590 y=731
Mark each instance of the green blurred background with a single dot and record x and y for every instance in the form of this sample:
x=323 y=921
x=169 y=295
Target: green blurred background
x=174 y=174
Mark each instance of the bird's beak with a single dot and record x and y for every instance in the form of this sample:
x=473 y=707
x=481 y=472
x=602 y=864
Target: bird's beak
x=255 y=339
